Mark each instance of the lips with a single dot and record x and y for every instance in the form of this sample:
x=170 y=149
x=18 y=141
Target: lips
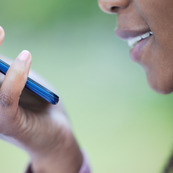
x=133 y=41
x=137 y=40
x=127 y=34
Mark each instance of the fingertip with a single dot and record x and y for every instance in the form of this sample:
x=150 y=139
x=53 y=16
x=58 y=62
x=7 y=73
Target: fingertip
x=26 y=52
x=25 y=55
x=2 y=34
x=25 y=58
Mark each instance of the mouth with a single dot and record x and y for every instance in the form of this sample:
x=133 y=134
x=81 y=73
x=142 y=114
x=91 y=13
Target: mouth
x=137 y=40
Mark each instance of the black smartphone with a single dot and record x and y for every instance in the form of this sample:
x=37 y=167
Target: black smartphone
x=33 y=86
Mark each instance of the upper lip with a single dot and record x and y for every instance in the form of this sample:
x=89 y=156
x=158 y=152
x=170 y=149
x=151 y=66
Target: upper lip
x=126 y=34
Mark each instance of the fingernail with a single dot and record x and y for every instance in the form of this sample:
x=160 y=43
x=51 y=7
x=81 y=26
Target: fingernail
x=24 y=56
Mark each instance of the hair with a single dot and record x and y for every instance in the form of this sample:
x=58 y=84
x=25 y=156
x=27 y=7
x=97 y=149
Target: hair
x=169 y=167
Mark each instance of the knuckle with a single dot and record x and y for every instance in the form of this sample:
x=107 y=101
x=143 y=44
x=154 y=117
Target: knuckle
x=5 y=100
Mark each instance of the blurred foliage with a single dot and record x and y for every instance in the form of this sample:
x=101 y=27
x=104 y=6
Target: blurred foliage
x=42 y=12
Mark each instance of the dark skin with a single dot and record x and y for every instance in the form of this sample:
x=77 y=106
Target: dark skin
x=25 y=125
x=157 y=55
x=31 y=123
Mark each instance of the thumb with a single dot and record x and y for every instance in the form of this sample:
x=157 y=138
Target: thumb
x=15 y=81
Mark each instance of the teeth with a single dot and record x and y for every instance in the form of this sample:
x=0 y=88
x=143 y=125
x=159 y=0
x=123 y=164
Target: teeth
x=133 y=41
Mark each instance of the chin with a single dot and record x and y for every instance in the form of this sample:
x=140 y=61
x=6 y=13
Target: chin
x=161 y=86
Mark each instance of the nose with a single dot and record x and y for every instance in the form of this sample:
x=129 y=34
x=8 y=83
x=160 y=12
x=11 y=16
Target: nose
x=112 y=6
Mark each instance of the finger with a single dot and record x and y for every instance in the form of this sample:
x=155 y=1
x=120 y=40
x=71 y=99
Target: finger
x=2 y=34
x=15 y=80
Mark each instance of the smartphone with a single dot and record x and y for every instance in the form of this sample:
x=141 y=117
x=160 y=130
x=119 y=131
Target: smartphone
x=33 y=86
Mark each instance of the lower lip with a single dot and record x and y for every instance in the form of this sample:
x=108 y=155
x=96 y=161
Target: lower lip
x=138 y=49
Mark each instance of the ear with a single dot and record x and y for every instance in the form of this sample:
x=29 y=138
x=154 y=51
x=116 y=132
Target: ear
x=2 y=34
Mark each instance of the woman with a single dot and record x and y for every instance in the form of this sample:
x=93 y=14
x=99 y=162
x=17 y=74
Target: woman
x=147 y=27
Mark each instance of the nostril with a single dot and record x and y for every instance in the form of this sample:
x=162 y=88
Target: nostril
x=114 y=9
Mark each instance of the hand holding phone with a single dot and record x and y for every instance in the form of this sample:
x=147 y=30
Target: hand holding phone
x=36 y=126
x=33 y=86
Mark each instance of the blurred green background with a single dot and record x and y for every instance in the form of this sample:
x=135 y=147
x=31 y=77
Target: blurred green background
x=120 y=122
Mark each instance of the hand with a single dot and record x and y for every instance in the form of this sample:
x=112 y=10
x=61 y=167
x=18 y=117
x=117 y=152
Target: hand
x=33 y=124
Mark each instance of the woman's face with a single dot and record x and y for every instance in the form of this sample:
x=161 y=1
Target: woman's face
x=148 y=27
